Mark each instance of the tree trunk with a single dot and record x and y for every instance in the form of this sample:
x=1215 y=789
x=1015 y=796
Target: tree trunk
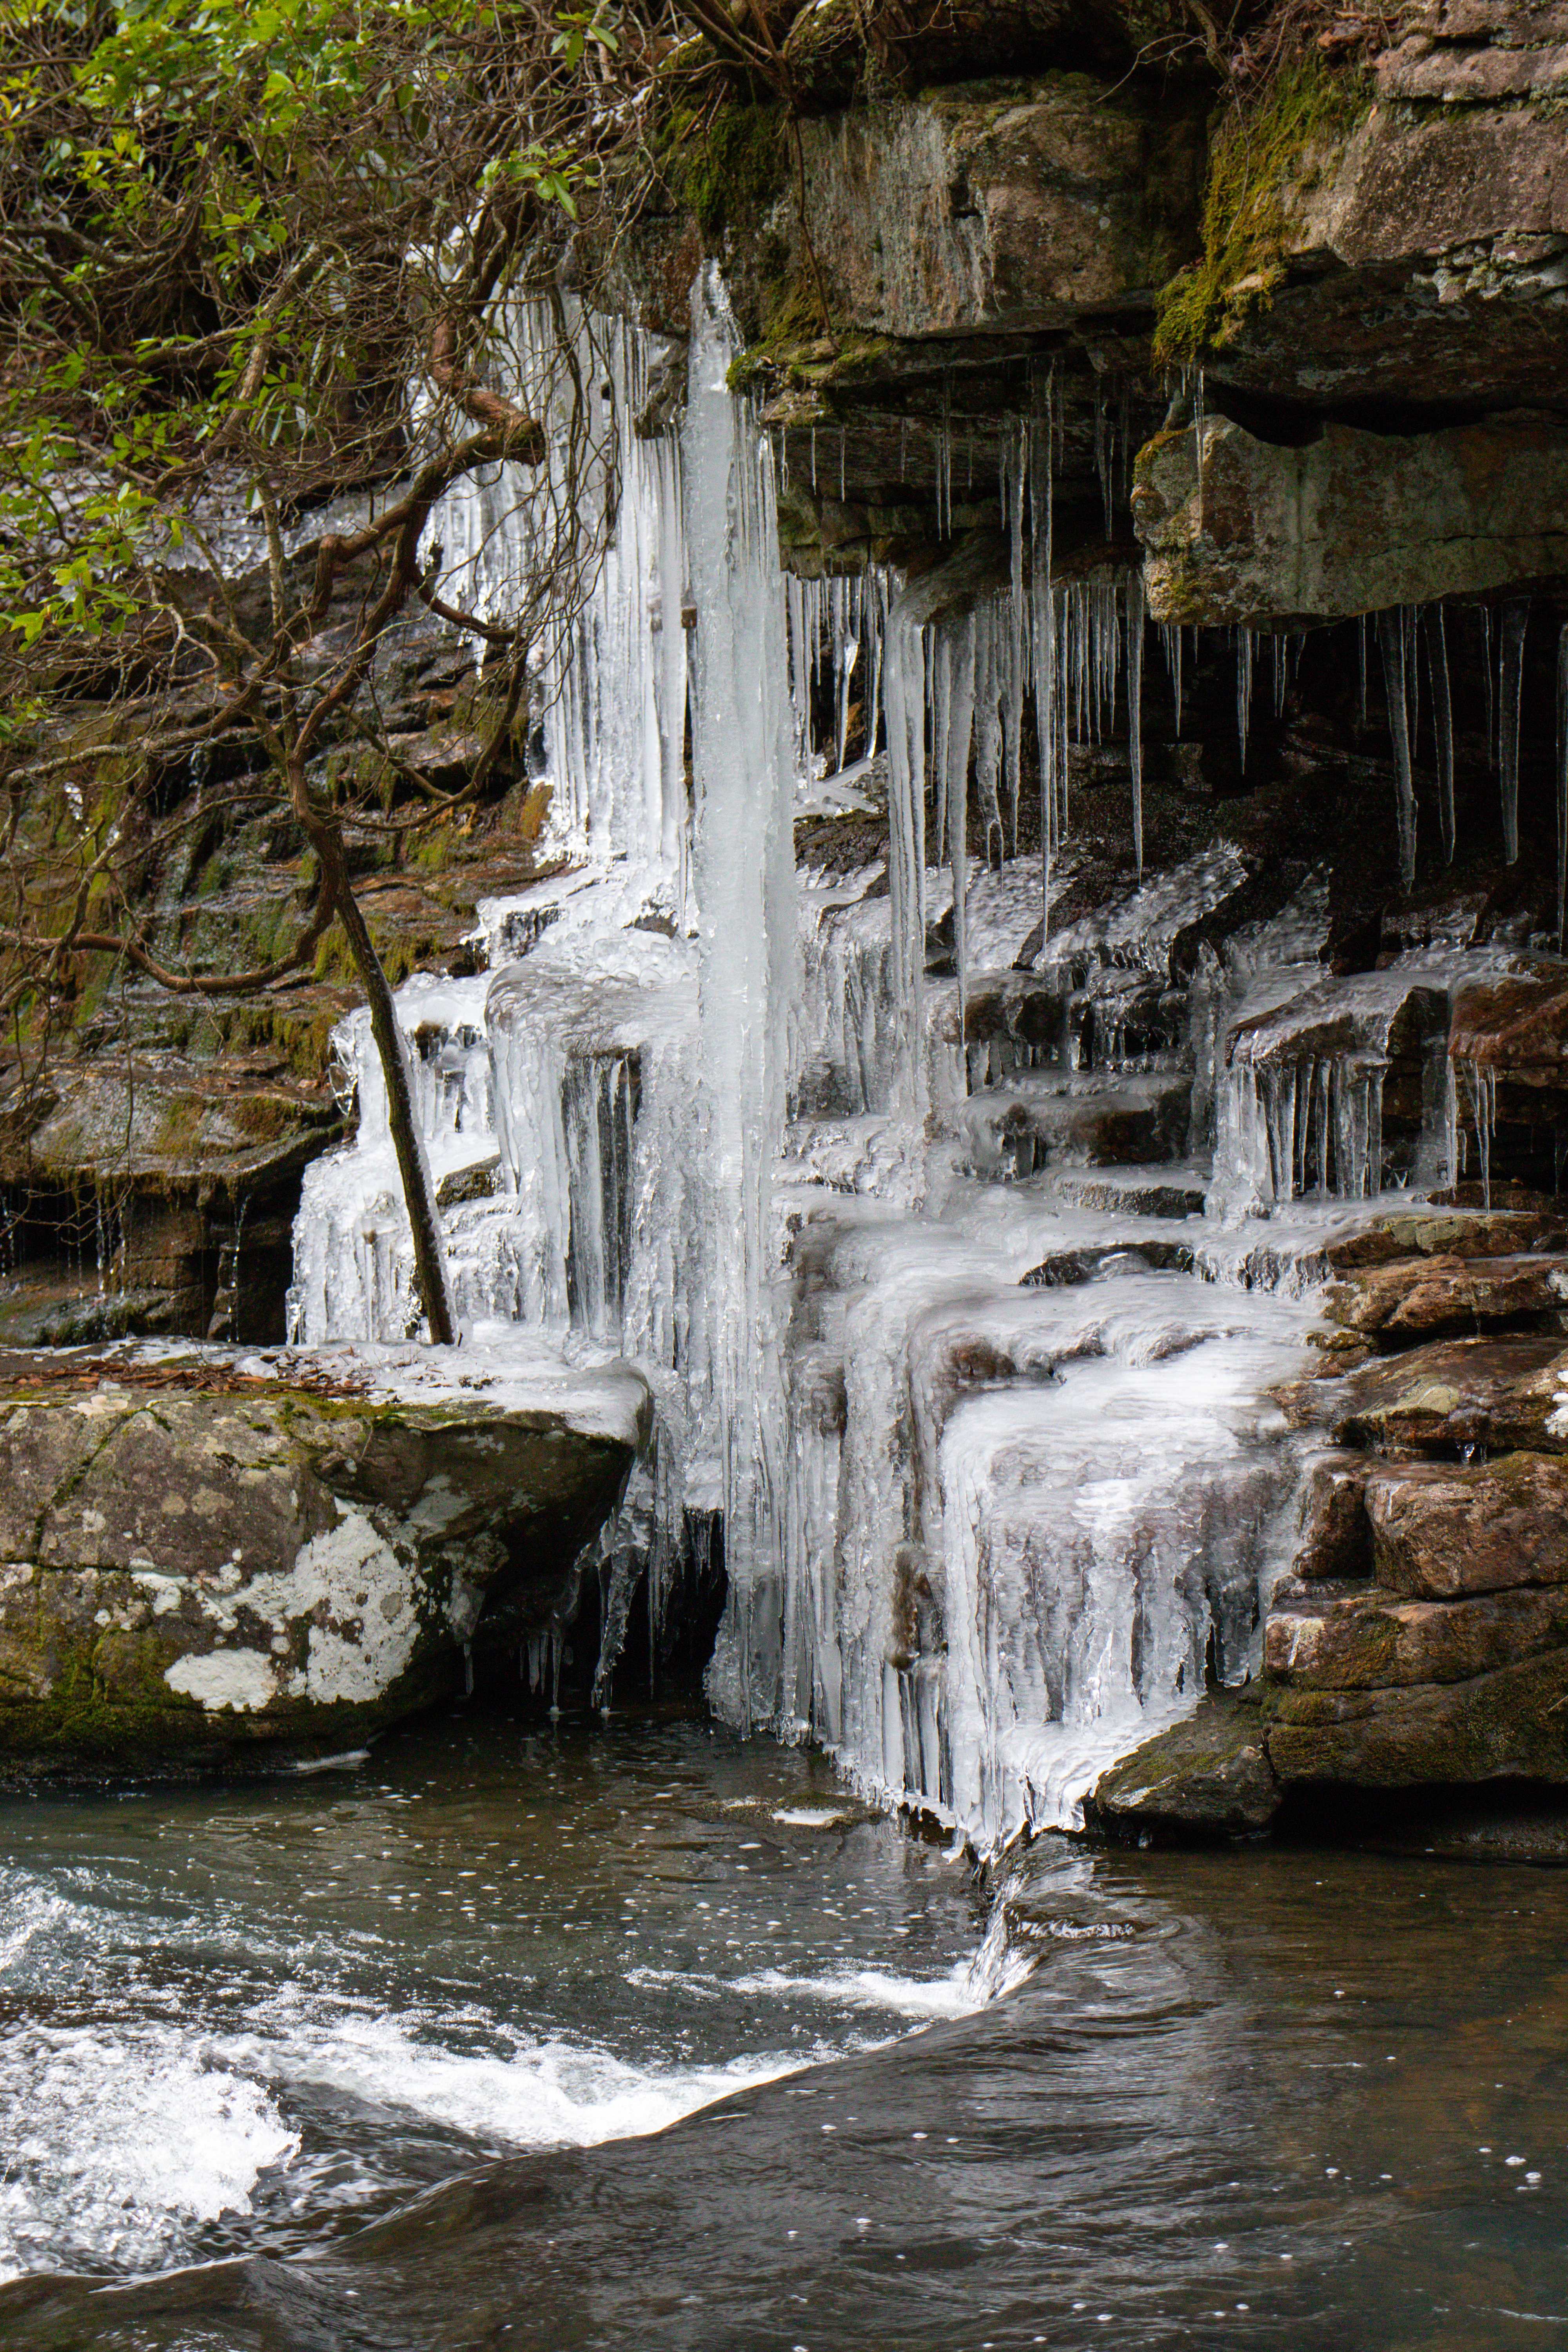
x=429 y=1264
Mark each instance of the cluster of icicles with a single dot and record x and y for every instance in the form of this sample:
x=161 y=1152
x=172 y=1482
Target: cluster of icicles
x=604 y=1105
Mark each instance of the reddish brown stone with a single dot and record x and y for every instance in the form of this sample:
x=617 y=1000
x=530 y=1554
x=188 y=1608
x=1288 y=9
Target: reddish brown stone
x=1440 y=1529
x=1377 y=1639
x=1494 y=1393
x=1421 y=1296
x=1336 y=1535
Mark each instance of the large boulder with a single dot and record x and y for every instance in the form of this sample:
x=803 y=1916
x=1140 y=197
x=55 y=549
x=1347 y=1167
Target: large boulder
x=209 y=1552
x=1208 y=1777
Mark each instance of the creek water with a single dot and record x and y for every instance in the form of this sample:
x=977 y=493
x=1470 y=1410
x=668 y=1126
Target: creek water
x=634 y=2033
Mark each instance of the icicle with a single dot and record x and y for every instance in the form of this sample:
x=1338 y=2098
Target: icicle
x=1102 y=452
x=1391 y=638
x=1561 y=782
x=990 y=657
x=1360 y=648
x=1442 y=723
x=1014 y=462
x=1278 y=647
x=1135 y=709
x=744 y=870
x=903 y=699
x=1043 y=649
x=1246 y=648
x=1171 y=639
x=1482 y=1089
x=1515 y=621
x=955 y=772
x=941 y=707
x=842 y=439
x=1489 y=678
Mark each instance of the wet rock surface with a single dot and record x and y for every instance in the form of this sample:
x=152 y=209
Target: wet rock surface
x=1420 y=1635
x=200 y=1558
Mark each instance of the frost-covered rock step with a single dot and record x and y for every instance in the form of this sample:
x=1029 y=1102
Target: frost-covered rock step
x=1094 y=1117
x=207 y=1550
x=1143 y=1192
x=973 y=1506
x=1105 y=1538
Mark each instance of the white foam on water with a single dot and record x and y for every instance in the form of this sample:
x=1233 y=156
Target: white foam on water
x=959 y=1994
x=119 y=2143
x=527 y=2094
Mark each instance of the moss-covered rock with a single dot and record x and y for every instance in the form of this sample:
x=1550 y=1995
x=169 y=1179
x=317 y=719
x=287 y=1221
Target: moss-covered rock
x=1209 y=1776
x=1507 y=1725
x=200 y=1558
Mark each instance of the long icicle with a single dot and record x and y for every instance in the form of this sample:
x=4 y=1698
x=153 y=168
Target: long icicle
x=1442 y=723
x=1391 y=640
x=960 y=737
x=1047 y=685
x=1135 y=709
x=1561 y=781
x=1515 y=621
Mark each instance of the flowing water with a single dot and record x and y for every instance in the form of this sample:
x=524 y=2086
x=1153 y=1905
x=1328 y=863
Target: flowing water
x=639 y=2035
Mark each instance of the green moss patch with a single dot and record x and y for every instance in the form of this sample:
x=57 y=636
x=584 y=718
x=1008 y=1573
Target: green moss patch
x=1259 y=159
x=728 y=170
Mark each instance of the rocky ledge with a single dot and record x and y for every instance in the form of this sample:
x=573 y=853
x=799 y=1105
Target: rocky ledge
x=1419 y=1638
x=204 y=1552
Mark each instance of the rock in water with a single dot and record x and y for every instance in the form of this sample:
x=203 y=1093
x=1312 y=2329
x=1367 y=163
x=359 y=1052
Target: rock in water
x=206 y=1553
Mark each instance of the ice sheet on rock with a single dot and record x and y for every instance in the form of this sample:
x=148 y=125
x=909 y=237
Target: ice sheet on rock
x=498 y=1365
x=910 y=1535
x=1105 y=1542
x=1004 y=910
x=1301 y=1062
x=354 y=1258
x=1142 y=925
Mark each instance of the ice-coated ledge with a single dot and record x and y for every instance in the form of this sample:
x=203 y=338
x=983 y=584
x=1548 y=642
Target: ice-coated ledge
x=500 y=1366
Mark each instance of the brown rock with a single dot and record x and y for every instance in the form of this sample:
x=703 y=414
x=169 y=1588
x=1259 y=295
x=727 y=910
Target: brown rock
x=1440 y=1529
x=999 y=206
x=1516 y=1025
x=1376 y=1640
x=1421 y=1296
x=1260 y=532
x=1524 y=23
x=1336 y=1536
x=1510 y=1725
x=1497 y=1393
x=1207 y=1777
x=1448 y=1232
x=1417 y=70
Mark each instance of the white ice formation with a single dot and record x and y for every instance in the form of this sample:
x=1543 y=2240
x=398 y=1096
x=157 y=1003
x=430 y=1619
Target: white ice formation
x=897 y=1189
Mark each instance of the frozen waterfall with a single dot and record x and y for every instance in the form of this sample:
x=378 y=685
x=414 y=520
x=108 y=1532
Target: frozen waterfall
x=894 y=1181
